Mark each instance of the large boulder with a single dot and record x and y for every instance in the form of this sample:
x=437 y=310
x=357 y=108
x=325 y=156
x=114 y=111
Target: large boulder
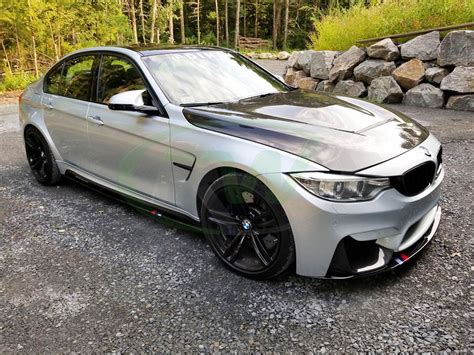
x=424 y=47
x=435 y=75
x=304 y=60
x=290 y=76
x=424 y=95
x=321 y=64
x=409 y=74
x=457 y=48
x=283 y=55
x=460 y=80
x=350 y=88
x=385 y=90
x=307 y=83
x=384 y=49
x=293 y=59
x=343 y=66
x=461 y=103
x=373 y=68
x=325 y=86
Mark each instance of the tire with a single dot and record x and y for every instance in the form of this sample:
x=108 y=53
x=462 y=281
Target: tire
x=40 y=158
x=246 y=227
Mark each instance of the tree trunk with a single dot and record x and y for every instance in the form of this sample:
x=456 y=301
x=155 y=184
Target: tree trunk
x=153 y=21
x=237 y=24
x=227 y=23
x=244 y=10
x=256 y=19
x=142 y=19
x=18 y=49
x=35 y=56
x=285 y=33
x=181 y=17
x=217 y=22
x=276 y=22
x=9 y=66
x=170 y=24
x=133 y=19
x=199 y=21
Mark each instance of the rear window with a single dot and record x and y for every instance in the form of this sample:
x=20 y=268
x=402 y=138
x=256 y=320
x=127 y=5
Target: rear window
x=53 y=81
x=77 y=79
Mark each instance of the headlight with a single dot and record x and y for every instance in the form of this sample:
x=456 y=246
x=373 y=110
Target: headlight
x=341 y=188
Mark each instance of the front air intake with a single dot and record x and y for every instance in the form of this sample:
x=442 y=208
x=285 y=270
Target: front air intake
x=415 y=180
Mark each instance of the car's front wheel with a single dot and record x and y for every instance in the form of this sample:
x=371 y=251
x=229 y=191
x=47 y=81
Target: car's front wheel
x=40 y=158
x=246 y=227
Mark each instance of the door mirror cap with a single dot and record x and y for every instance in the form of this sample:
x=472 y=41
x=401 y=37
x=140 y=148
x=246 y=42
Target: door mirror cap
x=131 y=101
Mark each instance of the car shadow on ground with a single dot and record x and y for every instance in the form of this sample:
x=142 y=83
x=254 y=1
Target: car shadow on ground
x=192 y=234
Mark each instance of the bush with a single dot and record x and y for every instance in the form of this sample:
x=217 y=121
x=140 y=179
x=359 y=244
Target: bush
x=340 y=29
x=16 y=81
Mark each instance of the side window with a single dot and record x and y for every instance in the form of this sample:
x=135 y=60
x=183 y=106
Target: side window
x=118 y=75
x=78 y=77
x=53 y=81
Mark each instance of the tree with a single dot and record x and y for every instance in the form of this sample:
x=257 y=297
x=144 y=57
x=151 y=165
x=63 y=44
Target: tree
x=181 y=17
x=256 y=19
x=142 y=19
x=237 y=23
x=276 y=21
x=133 y=19
x=153 y=21
x=227 y=23
x=217 y=22
x=170 y=11
x=285 y=30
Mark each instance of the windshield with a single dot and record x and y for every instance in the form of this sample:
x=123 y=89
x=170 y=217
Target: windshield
x=210 y=76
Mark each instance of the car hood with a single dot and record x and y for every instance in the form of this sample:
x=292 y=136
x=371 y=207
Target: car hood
x=340 y=133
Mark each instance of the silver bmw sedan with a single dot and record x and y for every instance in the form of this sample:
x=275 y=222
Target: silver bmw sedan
x=273 y=175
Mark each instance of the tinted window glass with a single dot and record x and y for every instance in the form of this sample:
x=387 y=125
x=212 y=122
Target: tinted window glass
x=78 y=77
x=53 y=81
x=117 y=75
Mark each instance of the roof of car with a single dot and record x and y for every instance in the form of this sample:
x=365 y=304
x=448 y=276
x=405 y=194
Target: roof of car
x=157 y=49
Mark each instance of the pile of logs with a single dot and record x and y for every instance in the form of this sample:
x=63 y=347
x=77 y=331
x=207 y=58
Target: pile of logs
x=253 y=43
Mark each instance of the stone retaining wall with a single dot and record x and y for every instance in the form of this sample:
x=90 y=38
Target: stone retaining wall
x=422 y=72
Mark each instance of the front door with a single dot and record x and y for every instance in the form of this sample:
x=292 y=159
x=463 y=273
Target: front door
x=65 y=103
x=130 y=149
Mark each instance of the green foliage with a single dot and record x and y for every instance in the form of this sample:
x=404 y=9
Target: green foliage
x=17 y=81
x=341 y=28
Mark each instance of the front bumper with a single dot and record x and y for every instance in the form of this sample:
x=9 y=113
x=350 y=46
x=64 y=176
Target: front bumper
x=375 y=235
x=353 y=258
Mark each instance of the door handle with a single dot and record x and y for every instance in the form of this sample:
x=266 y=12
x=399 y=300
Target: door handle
x=95 y=119
x=48 y=106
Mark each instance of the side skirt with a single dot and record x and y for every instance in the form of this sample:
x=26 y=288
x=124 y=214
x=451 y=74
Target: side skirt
x=172 y=217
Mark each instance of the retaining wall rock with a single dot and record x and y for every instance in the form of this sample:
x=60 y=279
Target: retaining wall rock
x=424 y=72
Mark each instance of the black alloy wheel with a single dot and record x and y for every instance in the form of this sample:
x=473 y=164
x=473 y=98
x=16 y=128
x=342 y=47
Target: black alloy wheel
x=246 y=227
x=41 y=160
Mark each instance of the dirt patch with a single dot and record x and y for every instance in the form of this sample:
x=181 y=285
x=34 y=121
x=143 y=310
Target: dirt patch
x=9 y=97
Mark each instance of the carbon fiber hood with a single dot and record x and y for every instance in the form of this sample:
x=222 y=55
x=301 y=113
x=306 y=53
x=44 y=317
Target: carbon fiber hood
x=340 y=133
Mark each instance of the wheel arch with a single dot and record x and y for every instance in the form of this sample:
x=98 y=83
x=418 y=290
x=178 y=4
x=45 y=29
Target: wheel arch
x=210 y=177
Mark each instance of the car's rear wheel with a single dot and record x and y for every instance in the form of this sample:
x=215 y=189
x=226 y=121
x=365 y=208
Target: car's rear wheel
x=40 y=158
x=246 y=227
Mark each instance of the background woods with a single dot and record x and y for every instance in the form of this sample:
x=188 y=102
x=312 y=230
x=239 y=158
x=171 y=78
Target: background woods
x=36 y=33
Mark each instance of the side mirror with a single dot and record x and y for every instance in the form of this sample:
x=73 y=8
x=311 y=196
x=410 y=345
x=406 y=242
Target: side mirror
x=131 y=101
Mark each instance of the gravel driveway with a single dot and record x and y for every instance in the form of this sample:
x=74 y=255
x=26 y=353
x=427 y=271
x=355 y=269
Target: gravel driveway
x=82 y=272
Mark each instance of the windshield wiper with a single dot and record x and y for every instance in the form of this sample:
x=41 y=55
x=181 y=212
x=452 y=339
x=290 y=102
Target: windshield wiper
x=193 y=104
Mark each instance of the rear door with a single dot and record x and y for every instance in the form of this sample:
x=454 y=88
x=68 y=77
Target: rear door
x=130 y=149
x=65 y=104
